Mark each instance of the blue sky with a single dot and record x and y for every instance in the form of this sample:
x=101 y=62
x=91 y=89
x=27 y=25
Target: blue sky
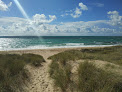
x=61 y=17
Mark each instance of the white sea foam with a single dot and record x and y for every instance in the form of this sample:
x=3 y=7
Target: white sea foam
x=51 y=47
x=48 y=42
x=74 y=44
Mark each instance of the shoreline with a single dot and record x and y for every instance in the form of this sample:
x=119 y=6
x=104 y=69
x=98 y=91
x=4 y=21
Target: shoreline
x=56 y=48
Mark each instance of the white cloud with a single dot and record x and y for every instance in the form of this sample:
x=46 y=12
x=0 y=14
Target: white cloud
x=3 y=6
x=21 y=26
x=39 y=19
x=66 y=14
x=98 y=4
x=115 y=18
x=9 y=5
x=82 y=6
x=39 y=26
x=52 y=18
x=77 y=12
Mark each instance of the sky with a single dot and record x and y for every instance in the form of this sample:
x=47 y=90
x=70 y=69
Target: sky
x=60 y=17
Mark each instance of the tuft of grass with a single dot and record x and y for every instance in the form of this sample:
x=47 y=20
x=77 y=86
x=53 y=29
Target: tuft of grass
x=62 y=78
x=110 y=66
x=13 y=75
x=54 y=66
x=61 y=75
x=35 y=60
x=66 y=56
x=92 y=79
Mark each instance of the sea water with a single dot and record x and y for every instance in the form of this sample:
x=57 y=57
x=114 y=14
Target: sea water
x=46 y=42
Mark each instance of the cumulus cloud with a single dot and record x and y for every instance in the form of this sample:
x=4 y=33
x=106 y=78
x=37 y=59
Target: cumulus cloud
x=40 y=26
x=3 y=6
x=19 y=26
x=77 y=12
x=39 y=19
x=82 y=6
x=115 y=18
x=52 y=17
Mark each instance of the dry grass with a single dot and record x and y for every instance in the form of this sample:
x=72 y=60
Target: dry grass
x=93 y=79
x=13 y=74
x=109 y=54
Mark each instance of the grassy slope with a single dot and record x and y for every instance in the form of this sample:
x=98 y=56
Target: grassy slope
x=89 y=78
x=110 y=54
x=13 y=75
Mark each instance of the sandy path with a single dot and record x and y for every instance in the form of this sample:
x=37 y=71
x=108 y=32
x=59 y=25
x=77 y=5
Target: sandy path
x=40 y=81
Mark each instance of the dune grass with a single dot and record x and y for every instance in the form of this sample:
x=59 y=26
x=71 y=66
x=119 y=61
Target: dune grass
x=66 y=56
x=93 y=79
x=109 y=54
x=89 y=78
x=13 y=74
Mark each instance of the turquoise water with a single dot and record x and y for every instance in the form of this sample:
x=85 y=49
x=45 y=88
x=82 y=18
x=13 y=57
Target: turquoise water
x=32 y=42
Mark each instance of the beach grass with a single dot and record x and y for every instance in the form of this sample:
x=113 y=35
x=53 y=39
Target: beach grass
x=13 y=74
x=89 y=78
x=110 y=54
x=93 y=79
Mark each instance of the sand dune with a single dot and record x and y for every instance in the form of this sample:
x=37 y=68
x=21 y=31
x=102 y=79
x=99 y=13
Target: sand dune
x=39 y=77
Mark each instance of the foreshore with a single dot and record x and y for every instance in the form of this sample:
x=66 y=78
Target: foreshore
x=47 y=50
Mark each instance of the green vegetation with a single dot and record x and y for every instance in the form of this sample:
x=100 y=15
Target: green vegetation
x=92 y=79
x=89 y=78
x=66 y=56
x=35 y=60
x=110 y=66
x=13 y=74
x=61 y=77
x=110 y=54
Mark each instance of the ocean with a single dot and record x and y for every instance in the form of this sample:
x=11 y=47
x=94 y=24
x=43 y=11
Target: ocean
x=47 y=42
